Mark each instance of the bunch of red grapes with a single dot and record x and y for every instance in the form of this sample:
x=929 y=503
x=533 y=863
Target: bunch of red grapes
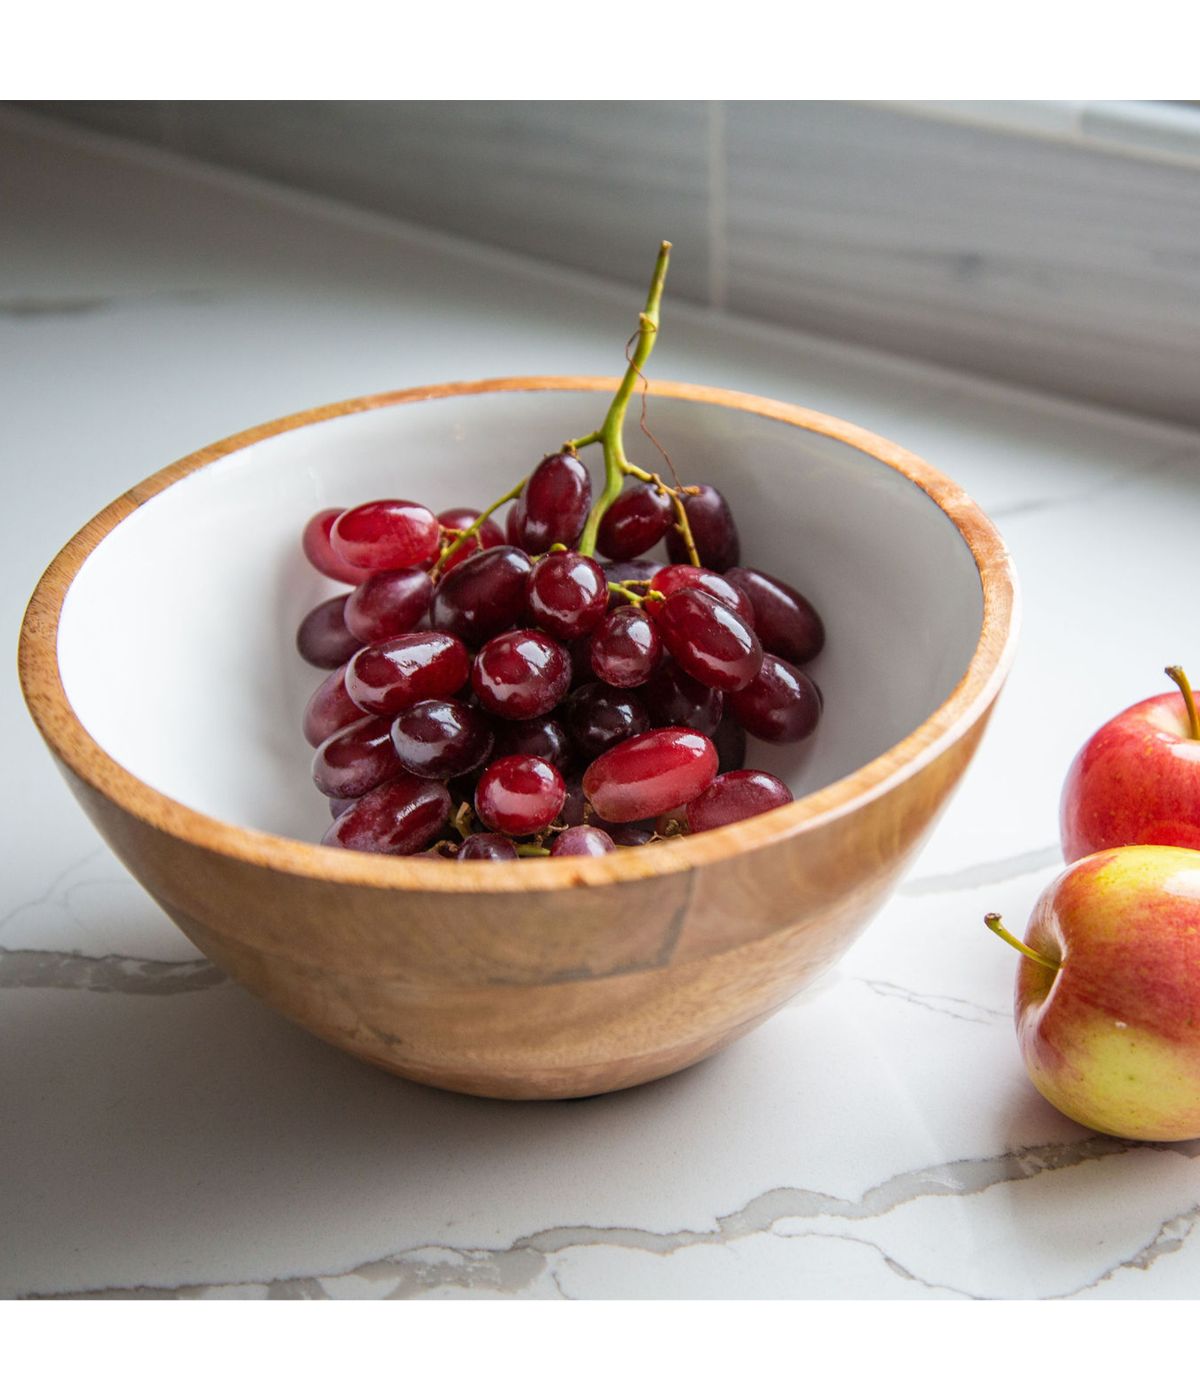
x=496 y=695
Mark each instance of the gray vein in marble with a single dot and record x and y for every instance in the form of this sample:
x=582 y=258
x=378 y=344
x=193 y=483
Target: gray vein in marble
x=957 y=1007
x=513 y=1268
x=29 y=308
x=76 y=972
x=990 y=872
x=1112 y=482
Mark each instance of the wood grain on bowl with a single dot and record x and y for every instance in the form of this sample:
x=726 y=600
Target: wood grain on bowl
x=536 y=979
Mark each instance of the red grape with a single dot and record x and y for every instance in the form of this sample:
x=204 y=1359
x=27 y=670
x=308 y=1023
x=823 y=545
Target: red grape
x=711 y=643
x=462 y=518
x=649 y=774
x=542 y=737
x=514 y=525
x=582 y=841
x=626 y=648
x=674 y=578
x=623 y=570
x=320 y=553
x=398 y=818
x=356 y=759
x=781 y=705
x=486 y=845
x=323 y=639
x=574 y=808
x=338 y=805
x=390 y=676
x=519 y=794
x=385 y=535
x=329 y=708
x=635 y=522
x=441 y=738
x=483 y=596
x=387 y=604
x=554 y=503
x=786 y=622
x=521 y=674
x=730 y=740
x=713 y=531
x=673 y=698
x=566 y=595
x=734 y=796
x=598 y=716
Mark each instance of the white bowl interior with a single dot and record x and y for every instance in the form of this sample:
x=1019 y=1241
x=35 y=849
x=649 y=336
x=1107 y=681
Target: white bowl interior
x=177 y=638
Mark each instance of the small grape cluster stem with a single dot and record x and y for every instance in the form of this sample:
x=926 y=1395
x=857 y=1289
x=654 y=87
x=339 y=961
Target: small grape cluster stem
x=611 y=436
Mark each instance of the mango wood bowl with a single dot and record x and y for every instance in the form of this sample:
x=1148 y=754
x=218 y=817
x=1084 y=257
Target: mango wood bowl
x=158 y=661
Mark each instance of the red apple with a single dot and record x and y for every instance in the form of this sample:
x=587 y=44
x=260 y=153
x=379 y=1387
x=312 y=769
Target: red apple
x=1108 y=992
x=1136 y=782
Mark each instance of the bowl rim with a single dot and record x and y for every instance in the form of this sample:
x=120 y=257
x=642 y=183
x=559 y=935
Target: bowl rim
x=69 y=740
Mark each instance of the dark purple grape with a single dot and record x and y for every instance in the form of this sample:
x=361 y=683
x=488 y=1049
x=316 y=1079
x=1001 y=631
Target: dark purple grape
x=338 y=805
x=393 y=675
x=713 y=530
x=461 y=518
x=650 y=774
x=441 y=738
x=623 y=571
x=733 y=797
x=582 y=841
x=385 y=535
x=781 y=705
x=566 y=595
x=356 y=759
x=625 y=649
x=674 y=699
x=387 y=604
x=674 y=578
x=580 y=651
x=398 y=818
x=519 y=794
x=730 y=740
x=514 y=525
x=487 y=845
x=599 y=716
x=323 y=639
x=786 y=622
x=521 y=674
x=574 y=808
x=329 y=709
x=554 y=503
x=635 y=522
x=542 y=737
x=711 y=643
x=628 y=834
x=483 y=596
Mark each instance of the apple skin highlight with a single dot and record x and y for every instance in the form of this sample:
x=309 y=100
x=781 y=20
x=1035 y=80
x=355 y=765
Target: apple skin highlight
x=1112 y=1038
x=1136 y=782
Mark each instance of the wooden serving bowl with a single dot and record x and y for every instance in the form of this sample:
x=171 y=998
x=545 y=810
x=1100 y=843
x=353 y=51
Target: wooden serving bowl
x=157 y=660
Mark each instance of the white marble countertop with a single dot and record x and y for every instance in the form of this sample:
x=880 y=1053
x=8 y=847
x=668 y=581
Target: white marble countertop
x=166 y=1135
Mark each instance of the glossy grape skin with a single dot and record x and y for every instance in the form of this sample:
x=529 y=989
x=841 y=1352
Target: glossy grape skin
x=542 y=737
x=625 y=649
x=732 y=797
x=462 y=518
x=521 y=674
x=356 y=758
x=629 y=835
x=483 y=596
x=519 y=794
x=387 y=604
x=582 y=841
x=730 y=740
x=711 y=643
x=323 y=639
x=635 y=522
x=713 y=530
x=781 y=705
x=514 y=525
x=329 y=708
x=398 y=818
x=674 y=578
x=599 y=716
x=554 y=503
x=487 y=845
x=786 y=622
x=393 y=675
x=650 y=774
x=674 y=699
x=385 y=535
x=320 y=553
x=441 y=738
x=566 y=595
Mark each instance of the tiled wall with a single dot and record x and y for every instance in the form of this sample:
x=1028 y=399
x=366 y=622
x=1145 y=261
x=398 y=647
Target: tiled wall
x=1048 y=250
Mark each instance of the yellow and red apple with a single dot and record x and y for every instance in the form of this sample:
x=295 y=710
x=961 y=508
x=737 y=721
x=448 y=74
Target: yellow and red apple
x=1108 y=992
x=1136 y=782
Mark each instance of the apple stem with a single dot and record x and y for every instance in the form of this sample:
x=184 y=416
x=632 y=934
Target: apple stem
x=1179 y=676
x=993 y=922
